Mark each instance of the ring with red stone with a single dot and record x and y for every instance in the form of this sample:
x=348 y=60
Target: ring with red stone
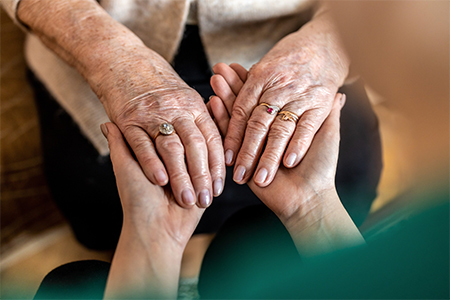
x=271 y=109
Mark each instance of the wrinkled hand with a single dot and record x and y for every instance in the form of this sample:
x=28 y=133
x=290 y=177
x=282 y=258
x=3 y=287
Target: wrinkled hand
x=301 y=74
x=150 y=207
x=292 y=190
x=143 y=93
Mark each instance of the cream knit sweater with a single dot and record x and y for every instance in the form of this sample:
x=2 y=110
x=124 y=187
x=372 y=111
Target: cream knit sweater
x=239 y=31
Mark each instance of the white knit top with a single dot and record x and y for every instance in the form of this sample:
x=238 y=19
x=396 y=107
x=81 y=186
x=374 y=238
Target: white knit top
x=239 y=31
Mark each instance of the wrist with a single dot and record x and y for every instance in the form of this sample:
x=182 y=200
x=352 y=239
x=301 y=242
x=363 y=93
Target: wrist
x=313 y=206
x=322 y=225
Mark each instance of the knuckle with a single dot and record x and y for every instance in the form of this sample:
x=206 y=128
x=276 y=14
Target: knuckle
x=246 y=156
x=179 y=179
x=171 y=145
x=195 y=140
x=151 y=161
x=240 y=113
x=139 y=144
x=307 y=125
x=271 y=158
x=280 y=131
x=257 y=125
x=202 y=179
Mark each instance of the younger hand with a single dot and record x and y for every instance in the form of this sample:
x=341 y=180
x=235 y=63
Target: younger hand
x=147 y=206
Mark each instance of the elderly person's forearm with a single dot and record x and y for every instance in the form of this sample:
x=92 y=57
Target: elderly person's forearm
x=140 y=92
x=87 y=38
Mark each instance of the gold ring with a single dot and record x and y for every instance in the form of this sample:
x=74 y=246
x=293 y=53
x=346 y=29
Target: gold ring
x=165 y=129
x=288 y=116
x=271 y=109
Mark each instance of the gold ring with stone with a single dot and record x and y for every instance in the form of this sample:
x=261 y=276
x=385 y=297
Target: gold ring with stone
x=271 y=109
x=165 y=129
x=288 y=116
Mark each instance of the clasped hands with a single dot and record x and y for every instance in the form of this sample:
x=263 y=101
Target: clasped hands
x=289 y=194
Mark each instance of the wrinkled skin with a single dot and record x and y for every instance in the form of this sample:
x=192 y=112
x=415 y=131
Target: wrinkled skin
x=301 y=74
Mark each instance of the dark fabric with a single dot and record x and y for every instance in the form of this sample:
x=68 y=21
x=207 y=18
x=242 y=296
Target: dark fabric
x=408 y=261
x=82 y=183
x=75 y=280
x=253 y=257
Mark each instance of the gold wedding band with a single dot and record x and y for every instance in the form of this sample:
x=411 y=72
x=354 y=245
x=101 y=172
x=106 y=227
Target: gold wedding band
x=288 y=116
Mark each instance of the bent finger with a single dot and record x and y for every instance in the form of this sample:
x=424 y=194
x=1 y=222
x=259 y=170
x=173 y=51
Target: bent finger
x=220 y=114
x=246 y=101
x=240 y=70
x=171 y=151
x=146 y=154
x=278 y=138
x=306 y=128
x=230 y=76
x=196 y=152
x=223 y=90
x=216 y=159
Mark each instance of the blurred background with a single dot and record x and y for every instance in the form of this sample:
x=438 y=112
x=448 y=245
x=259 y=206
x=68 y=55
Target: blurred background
x=35 y=238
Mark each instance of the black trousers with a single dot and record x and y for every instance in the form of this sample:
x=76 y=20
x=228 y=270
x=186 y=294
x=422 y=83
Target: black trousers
x=253 y=257
x=83 y=186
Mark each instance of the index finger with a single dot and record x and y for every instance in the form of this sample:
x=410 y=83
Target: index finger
x=245 y=102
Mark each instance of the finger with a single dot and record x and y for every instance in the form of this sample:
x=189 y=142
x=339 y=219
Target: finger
x=230 y=76
x=121 y=158
x=306 y=128
x=255 y=135
x=220 y=114
x=328 y=134
x=146 y=154
x=196 y=152
x=216 y=159
x=278 y=138
x=223 y=90
x=240 y=70
x=171 y=151
x=246 y=101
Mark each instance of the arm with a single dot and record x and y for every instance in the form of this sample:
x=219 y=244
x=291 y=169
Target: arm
x=139 y=91
x=154 y=234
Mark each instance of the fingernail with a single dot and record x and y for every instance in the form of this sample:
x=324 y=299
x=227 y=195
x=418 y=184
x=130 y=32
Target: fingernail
x=217 y=187
x=204 y=198
x=210 y=97
x=104 y=130
x=290 y=160
x=239 y=173
x=343 y=98
x=261 y=175
x=229 y=156
x=161 y=177
x=188 y=197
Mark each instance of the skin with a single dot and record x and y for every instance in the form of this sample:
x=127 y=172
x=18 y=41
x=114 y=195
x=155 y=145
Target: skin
x=139 y=90
x=156 y=230
x=304 y=197
x=300 y=74
x=154 y=234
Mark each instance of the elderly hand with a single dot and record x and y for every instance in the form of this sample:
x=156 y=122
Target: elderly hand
x=297 y=79
x=139 y=91
x=304 y=197
x=152 y=95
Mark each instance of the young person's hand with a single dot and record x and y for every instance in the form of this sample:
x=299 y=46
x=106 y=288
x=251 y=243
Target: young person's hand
x=155 y=229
